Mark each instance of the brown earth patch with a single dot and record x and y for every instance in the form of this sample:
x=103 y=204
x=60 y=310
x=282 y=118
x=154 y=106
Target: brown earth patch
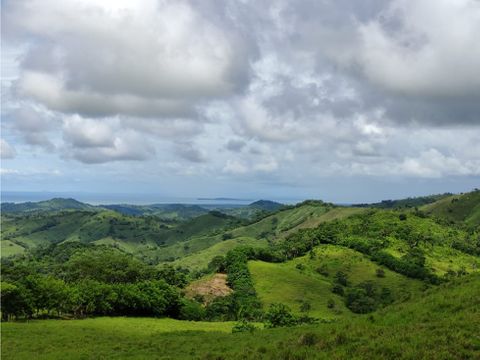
x=209 y=288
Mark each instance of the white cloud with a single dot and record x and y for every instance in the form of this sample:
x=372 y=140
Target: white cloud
x=435 y=39
x=92 y=141
x=432 y=163
x=145 y=58
x=235 y=167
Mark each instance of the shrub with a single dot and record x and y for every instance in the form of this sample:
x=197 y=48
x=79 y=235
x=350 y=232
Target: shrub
x=279 y=315
x=227 y=236
x=300 y=267
x=305 y=306
x=191 y=310
x=338 y=289
x=322 y=270
x=243 y=326
x=341 y=278
x=330 y=304
x=360 y=299
x=380 y=273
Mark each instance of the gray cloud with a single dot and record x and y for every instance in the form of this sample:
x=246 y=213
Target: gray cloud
x=34 y=125
x=148 y=58
x=187 y=151
x=7 y=151
x=235 y=145
x=295 y=91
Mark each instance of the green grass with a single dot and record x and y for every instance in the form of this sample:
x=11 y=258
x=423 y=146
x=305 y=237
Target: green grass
x=282 y=283
x=287 y=284
x=441 y=324
x=10 y=248
x=195 y=253
x=274 y=225
x=145 y=237
x=199 y=260
x=65 y=339
x=460 y=208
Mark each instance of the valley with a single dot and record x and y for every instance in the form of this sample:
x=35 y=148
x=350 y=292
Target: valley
x=311 y=280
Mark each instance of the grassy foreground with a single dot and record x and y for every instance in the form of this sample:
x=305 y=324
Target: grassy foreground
x=442 y=324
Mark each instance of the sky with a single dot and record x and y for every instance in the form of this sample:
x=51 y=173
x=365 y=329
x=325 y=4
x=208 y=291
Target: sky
x=346 y=101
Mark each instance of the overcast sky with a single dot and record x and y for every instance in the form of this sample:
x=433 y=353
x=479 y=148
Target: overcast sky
x=342 y=100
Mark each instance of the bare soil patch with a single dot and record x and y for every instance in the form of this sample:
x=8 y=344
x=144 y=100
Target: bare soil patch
x=209 y=288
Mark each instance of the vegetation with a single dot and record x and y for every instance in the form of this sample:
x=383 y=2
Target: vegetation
x=442 y=324
x=338 y=277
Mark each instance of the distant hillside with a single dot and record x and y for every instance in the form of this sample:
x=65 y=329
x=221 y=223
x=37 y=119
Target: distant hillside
x=458 y=208
x=266 y=205
x=164 y=211
x=55 y=204
x=145 y=237
x=410 y=202
x=254 y=210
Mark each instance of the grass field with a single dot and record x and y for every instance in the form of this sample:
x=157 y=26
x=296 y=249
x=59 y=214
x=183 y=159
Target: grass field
x=10 y=248
x=465 y=207
x=442 y=324
x=200 y=259
x=296 y=281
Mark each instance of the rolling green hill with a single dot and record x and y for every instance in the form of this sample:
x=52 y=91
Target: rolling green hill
x=311 y=279
x=142 y=236
x=464 y=208
x=196 y=253
x=55 y=204
x=410 y=202
x=442 y=324
x=164 y=211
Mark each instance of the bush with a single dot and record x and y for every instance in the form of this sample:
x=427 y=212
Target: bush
x=338 y=289
x=217 y=264
x=341 y=278
x=243 y=326
x=279 y=315
x=305 y=306
x=300 y=267
x=322 y=270
x=330 y=304
x=191 y=310
x=380 y=273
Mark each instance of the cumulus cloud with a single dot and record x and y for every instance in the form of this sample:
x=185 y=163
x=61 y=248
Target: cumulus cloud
x=286 y=91
x=420 y=56
x=91 y=141
x=34 y=125
x=187 y=151
x=145 y=58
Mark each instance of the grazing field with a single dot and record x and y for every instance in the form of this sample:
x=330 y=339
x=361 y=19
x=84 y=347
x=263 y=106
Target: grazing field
x=459 y=208
x=199 y=260
x=442 y=324
x=310 y=279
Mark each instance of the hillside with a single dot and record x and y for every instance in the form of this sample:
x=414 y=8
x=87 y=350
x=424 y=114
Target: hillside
x=268 y=230
x=442 y=324
x=141 y=236
x=55 y=204
x=164 y=211
x=310 y=279
x=464 y=208
x=410 y=202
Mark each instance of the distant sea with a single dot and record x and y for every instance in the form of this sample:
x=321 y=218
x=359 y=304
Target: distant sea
x=134 y=199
